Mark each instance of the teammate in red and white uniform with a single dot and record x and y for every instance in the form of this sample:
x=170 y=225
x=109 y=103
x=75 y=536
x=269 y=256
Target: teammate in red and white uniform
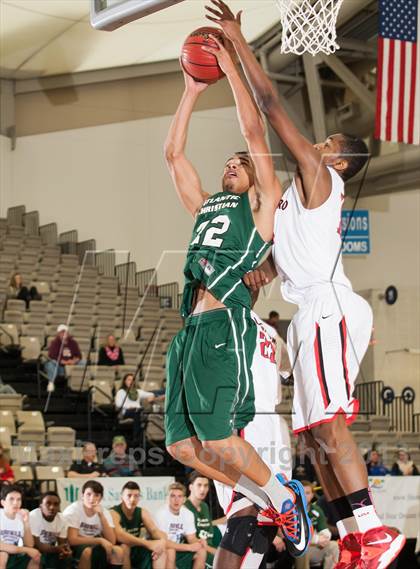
x=330 y=332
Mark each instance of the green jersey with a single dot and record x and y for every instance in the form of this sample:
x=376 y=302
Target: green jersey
x=317 y=517
x=225 y=245
x=132 y=526
x=204 y=527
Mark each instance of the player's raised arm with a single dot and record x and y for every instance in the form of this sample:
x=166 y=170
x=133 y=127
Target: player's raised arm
x=314 y=172
x=184 y=175
x=252 y=126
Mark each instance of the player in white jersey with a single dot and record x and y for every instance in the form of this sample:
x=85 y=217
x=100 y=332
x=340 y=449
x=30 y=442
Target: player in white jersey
x=330 y=332
x=244 y=543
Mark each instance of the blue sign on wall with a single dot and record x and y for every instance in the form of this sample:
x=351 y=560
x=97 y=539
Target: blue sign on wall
x=355 y=231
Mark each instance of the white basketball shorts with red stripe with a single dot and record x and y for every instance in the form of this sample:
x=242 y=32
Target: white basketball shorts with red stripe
x=327 y=340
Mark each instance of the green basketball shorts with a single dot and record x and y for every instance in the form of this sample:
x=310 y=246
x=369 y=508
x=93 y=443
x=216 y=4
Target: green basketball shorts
x=98 y=559
x=53 y=561
x=140 y=557
x=209 y=387
x=184 y=560
x=17 y=561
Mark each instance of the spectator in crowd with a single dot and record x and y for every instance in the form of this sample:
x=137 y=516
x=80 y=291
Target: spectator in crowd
x=111 y=354
x=128 y=401
x=374 y=464
x=16 y=541
x=130 y=522
x=20 y=292
x=323 y=552
x=274 y=320
x=91 y=531
x=183 y=548
x=49 y=530
x=303 y=467
x=199 y=488
x=119 y=463
x=7 y=476
x=404 y=466
x=88 y=467
x=63 y=351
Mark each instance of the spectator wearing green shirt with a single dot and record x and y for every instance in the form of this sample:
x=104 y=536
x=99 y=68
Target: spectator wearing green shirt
x=199 y=489
x=323 y=552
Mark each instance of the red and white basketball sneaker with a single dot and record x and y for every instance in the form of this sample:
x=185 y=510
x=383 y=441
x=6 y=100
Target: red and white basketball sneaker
x=350 y=551
x=380 y=546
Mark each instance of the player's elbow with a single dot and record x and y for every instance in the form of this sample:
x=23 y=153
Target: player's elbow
x=253 y=130
x=171 y=153
x=267 y=101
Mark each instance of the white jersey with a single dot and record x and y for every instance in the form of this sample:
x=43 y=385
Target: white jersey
x=11 y=530
x=307 y=242
x=176 y=526
x=264 y=368
x=48 y=532
x=88 y=526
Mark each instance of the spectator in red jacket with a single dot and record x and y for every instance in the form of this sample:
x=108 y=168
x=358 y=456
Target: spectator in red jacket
x=7 y=476
x=63 y=351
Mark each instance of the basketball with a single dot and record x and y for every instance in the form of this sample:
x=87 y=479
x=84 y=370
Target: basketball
x=201 y=65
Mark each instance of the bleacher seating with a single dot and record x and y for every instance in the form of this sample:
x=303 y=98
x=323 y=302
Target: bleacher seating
x=94 y=305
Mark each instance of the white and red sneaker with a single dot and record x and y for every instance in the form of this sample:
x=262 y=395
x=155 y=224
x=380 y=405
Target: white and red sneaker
x=380 y=546
x=350 y=551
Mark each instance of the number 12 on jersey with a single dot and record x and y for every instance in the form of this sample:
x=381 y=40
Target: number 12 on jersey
x=222 y=223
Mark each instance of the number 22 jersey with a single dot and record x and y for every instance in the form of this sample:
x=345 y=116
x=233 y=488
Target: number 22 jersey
x=225 y=245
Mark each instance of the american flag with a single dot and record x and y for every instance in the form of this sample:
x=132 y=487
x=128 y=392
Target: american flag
x=398 y=93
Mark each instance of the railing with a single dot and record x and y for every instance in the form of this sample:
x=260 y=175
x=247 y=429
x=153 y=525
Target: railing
x=416 y=423
x=170 y=291
x=86 y=251
x=31 y=222
x=91 y=406
x=68 y=242
x=126 y=273
x=105 y=261
x=147 y=282
x=15 y=215
x=49 y=234
x=369 y=395
x=401 y=414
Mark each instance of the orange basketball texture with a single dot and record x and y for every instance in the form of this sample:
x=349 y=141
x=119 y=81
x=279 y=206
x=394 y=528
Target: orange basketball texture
x=198 y=63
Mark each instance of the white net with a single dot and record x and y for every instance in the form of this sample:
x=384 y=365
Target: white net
x=309 y=26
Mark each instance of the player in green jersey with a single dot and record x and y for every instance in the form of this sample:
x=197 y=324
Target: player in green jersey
x=199 y=489
x=209 y=380
x=130 y=520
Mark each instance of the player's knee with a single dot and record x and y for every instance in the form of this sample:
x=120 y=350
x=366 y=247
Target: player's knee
x=329 y=433
x=126 y=549
x=4 y=557
x=86 y=554
x=170 y=558
x=220 y=448
x=117 y=555
x=182 y=452
x=201 y=555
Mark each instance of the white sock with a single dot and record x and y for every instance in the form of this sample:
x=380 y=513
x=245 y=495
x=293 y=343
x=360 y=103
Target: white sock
x=252 y=491
x=366 y=518
x=346 y=526
x=277 y=493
